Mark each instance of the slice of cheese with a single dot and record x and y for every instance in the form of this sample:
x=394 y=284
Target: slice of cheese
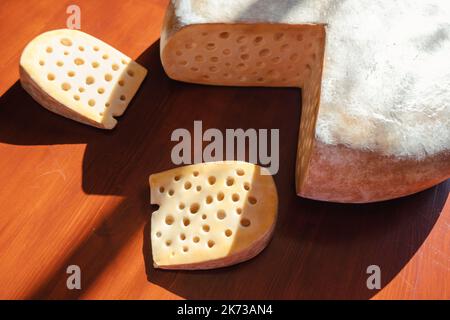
x=375 y=79
x=211 y=215
x=79 y=77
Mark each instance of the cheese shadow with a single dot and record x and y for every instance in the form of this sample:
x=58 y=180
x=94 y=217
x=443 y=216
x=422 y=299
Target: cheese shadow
x=319 y=250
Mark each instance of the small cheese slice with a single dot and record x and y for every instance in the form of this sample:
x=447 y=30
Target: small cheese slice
x=79 y=77
x=211 y=215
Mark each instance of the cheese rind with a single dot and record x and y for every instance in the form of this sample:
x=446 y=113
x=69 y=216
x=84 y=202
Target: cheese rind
x=79 y=77
x=382 y=84
x=211 y=215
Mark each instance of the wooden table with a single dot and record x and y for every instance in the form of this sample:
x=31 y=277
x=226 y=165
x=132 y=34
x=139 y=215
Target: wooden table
x=71 y=194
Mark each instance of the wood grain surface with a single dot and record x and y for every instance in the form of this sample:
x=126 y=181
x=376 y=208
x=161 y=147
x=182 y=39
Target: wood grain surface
x=71 y=194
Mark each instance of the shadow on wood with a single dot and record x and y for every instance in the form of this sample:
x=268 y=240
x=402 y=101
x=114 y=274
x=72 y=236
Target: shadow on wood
x=319 y=250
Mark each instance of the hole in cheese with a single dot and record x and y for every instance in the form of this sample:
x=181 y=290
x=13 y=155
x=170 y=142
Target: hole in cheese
x=252 y=200
x=224 y=35
x=241 y=39
x=245 y=222
x=65 y=86
x=230 y=181
x=90 y=80
x=187 y=185
x=169 y=220
x=78 y=61
x=221 y=214
x=210 y=46
x=212 y=180
x=258 y=40
x=194 y=208
x=278 y=36
x=66 y=42
x=264 y=53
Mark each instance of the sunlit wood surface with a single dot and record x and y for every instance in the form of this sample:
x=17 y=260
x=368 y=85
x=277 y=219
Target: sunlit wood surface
x=71 y=194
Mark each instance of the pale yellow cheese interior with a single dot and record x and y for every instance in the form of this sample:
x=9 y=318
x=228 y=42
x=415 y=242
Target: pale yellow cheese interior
x=270 y=55
x=81 y=73
x=210 y=211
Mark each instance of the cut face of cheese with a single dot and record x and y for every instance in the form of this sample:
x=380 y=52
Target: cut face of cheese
x=79 y=77
x=376 y=89
x=211 y=215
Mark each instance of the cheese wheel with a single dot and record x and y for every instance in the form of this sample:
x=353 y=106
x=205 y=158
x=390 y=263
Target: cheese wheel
x=375 y=79
x=79 y=77
x=211 y=215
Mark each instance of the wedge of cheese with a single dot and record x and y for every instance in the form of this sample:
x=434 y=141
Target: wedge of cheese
x=79 y=77
x=211 y=215
x=375 y=79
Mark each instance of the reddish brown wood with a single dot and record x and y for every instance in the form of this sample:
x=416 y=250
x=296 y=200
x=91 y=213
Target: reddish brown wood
x=71 y=194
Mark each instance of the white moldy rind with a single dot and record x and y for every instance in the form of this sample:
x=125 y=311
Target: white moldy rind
x=374 y=78
x=386 y=77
